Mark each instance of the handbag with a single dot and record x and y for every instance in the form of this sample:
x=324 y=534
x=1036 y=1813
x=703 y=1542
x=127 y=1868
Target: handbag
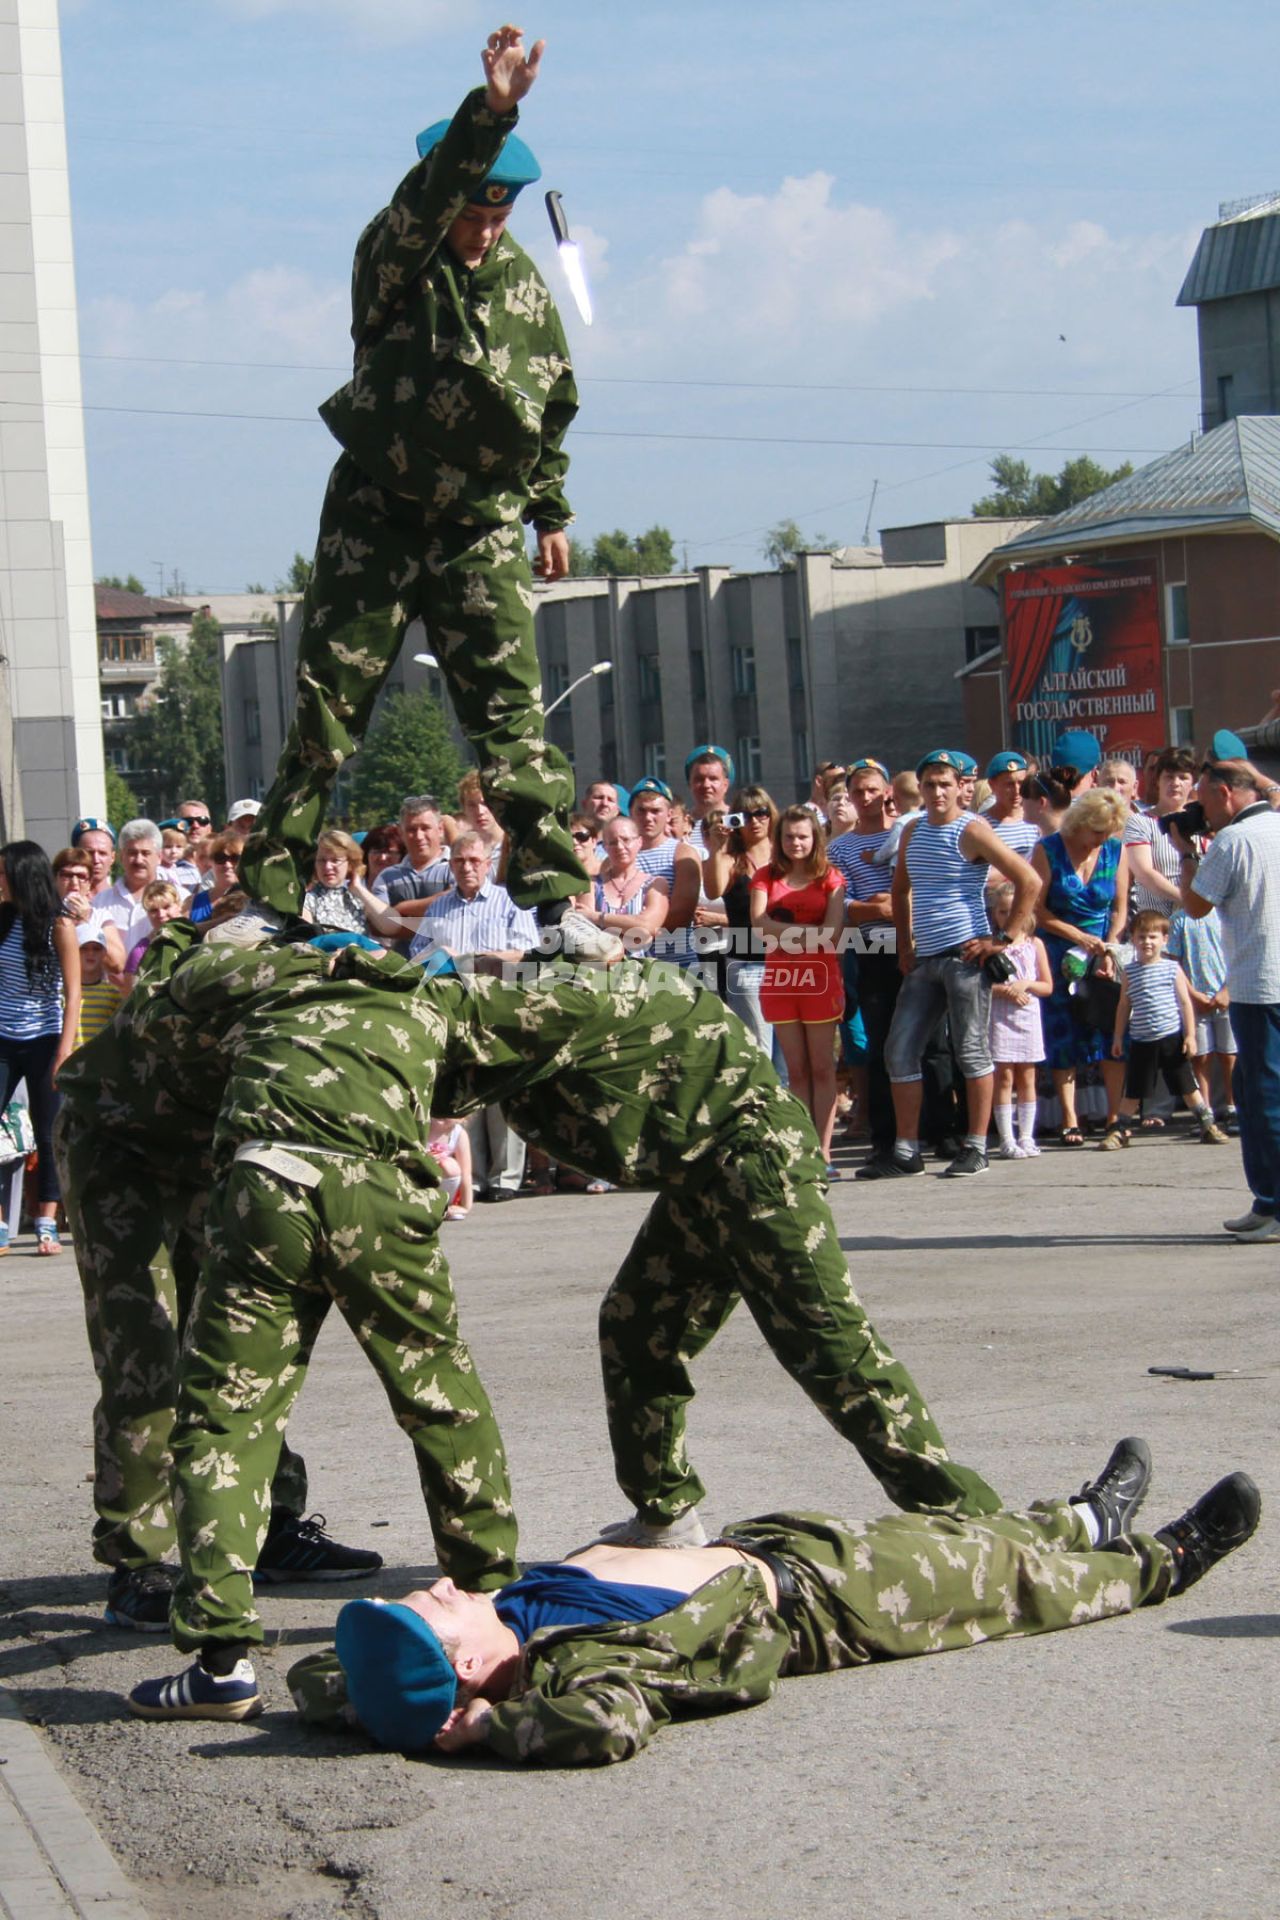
x=17 y=1135
x=1095 y=1000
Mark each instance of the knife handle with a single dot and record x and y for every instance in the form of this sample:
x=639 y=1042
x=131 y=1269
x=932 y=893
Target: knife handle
x=555 y=213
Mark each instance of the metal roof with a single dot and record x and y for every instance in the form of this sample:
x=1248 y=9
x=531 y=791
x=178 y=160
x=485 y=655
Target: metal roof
x=1238 y=255
x=1226 y=482
x=114 y=603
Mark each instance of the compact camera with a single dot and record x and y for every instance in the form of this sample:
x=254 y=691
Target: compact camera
x=733 y=820
x=998 y=968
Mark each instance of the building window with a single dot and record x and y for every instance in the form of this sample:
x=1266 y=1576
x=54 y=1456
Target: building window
x=746 y=758
x=556 y=680
x=795 y=663
x=252 y=723
x=1182 y=727
x=649 y=676
x=979 y=640
x=800 y=756
x=1177 y=627
x=653 y=758
x=697 y=673
x=743 y=660
x=1226 y=397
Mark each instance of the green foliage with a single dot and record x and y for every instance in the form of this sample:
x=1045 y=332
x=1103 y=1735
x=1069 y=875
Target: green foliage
x=130 y=583
x=648 y=553
x=177 y=743
x=408 y=749
x=1021 y=494
x=297 y=579
x=784 y=543
x=122 y=801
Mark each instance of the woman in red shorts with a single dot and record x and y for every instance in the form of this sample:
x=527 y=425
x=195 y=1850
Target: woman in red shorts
x=803 y=990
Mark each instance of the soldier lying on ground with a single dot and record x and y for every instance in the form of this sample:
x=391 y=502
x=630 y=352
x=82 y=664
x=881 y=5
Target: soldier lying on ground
x=578 y=1663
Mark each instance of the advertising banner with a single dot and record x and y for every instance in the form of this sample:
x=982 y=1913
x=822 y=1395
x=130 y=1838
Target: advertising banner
x=1083 y=650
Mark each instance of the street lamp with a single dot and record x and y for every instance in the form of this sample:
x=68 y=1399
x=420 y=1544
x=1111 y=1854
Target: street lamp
x=427 y=660
x=601 y=666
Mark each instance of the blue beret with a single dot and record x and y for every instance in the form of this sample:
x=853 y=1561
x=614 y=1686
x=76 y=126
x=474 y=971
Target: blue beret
x=652 y=784
x=709 y=752
x=1078 y=750
x=1006 y=763
x=965 y=761
x=91 y=825
x=399 y=1679
x=942 y=757
x=1226 y=745
x=515 y=167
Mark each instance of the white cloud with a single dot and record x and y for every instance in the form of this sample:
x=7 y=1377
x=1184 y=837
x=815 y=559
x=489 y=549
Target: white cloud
x=272 y=313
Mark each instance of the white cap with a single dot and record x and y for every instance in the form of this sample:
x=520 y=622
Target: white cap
x=89 y=932
x=239 y=809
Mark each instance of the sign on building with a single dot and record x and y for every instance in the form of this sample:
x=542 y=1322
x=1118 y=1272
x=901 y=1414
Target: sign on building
x=1083 y=650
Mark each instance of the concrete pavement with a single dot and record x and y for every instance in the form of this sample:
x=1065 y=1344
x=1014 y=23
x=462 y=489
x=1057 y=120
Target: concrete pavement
x=1103 y=1772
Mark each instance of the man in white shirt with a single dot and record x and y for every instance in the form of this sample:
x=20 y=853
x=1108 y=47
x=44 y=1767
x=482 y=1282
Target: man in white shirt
x=121 y=903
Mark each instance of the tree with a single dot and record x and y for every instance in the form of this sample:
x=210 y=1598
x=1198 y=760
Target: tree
x=648 y=553
x=130 y=583
x=1019 y=494
x=408 y=749
x=297 y=579
x=122 y=802
x=177 y=741
x=785 y=542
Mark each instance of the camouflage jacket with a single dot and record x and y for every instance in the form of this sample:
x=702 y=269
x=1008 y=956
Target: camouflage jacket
x=463 y=389
x=589 y=1696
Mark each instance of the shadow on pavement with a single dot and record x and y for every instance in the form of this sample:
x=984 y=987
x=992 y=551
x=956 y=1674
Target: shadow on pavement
x=1231 y=1626
x=973 y=1242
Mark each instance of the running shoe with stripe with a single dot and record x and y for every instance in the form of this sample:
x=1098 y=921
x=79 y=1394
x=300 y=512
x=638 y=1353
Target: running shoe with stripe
x=138 y=1598
x=297 y=1549
x=199 y=1695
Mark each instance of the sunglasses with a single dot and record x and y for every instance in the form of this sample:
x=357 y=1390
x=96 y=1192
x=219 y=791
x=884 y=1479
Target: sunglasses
x=755 y=813
x=583 y=839
x=196 y=820
x=225 y=859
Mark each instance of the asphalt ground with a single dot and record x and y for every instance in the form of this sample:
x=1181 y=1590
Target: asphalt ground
x=1111 y=1771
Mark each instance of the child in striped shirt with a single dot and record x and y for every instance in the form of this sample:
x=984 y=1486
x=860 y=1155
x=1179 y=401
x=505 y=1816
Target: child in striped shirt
x=1155 y=1007
x=99 y=997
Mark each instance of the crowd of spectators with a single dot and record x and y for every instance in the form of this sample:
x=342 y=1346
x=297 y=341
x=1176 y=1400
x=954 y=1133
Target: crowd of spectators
x=925 y=954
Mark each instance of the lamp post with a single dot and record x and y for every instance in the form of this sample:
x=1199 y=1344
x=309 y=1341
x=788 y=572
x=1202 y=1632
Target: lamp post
x=601 y=666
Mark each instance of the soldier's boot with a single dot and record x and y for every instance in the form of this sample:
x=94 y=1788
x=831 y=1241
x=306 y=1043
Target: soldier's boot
x=1117 y=1493
x=1219 y=1522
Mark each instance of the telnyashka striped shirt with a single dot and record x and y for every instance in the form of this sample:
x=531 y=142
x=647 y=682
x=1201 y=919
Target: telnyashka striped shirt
x=1153 y=997
x=24 y=1014
x=947 y=904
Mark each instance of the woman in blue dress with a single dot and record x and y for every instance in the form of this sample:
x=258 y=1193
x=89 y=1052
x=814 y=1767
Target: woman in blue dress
x=1084 y=902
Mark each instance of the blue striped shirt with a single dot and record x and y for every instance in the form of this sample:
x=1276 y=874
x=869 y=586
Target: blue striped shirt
x=24 y=1014
x=1153 y=996
x=1019 y=835
x=490 y=922
x=947 y=904
x=856 y=856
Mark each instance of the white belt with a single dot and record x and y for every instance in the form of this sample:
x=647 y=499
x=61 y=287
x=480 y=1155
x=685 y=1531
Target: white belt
x=283 y=1160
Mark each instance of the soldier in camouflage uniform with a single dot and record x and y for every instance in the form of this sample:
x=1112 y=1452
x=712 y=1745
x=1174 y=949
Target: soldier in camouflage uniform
x=134 y=1142
x=578 y=1670
x=641 y=1077
x=452 y=429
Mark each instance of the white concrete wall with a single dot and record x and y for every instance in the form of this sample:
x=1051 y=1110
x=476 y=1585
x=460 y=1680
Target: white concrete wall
x=46 y=562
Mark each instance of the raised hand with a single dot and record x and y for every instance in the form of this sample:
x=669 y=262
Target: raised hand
x=509 y=71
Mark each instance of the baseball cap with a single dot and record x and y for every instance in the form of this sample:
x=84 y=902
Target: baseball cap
x=1008 y=762
x=239 y=808
x=399 y=1679
x=652 y=784
x=91 y=825
x=89 y=933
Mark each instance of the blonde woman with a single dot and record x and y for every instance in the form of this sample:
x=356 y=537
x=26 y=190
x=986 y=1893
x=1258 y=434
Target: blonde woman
x=734 y=856
x=338 y=899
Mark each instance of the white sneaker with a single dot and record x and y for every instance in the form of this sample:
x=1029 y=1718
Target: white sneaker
x=576 y=938
x=1254 y=1226
x=1028 y=1149
x=687 y=1531
x=1009 y=1150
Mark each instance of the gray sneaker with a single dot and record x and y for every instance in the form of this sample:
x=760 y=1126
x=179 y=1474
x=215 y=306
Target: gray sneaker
x=574 y=937
x=971 y=1160
x=890 y=1166
x=686 y=1530
x=1254 y=1226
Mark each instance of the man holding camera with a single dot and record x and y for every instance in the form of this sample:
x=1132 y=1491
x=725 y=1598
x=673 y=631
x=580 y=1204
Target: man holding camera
x=1239 y=874
x=948 y=957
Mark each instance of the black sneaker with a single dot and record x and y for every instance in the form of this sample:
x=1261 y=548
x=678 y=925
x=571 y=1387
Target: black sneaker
x=968 y=1160
x=890 y=1166
x=302 y=1550
x=948 y=1147
x=138 y=1598
x=1119 y=1489
x=1219 y=1522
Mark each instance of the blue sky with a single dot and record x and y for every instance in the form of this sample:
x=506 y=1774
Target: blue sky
x=830 y=245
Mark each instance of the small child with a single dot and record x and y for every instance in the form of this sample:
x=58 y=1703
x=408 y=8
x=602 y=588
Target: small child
x=163 y=902
x=681 y=820
x=1197 y=946
x=99 y=997
x=1155 y=1007
x=1017 y=1038
x=450 y=1148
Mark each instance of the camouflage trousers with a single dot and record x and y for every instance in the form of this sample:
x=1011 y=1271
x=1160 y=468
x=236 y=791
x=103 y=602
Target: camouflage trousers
x=278 y=1254
x=930 y=1583
x=138 y=1240
x=758 y=1228
x=380 y=564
